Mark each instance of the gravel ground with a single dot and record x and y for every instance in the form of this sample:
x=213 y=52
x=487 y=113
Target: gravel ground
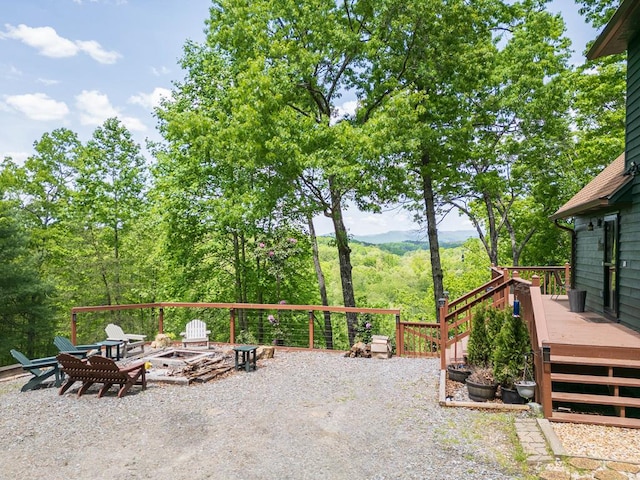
x=301 y=415
x=596 y=441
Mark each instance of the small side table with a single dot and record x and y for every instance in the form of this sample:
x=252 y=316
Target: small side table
x=108 y=348
x=246 y=357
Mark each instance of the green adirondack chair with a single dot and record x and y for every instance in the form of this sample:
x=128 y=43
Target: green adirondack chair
x=80 y=351
x=40 y=368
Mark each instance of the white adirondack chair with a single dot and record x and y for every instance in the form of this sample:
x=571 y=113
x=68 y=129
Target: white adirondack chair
x=195 y=332
x=130 y=340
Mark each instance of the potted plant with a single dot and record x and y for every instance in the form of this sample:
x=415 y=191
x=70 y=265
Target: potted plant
x=526 y=388
x=458 y=372
x=479 y=346
x=511 y=345
x=481 y=384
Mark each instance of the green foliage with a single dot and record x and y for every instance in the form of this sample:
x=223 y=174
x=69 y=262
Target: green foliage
x=365 y=328
x=479 y=347
x=26 y=322
x=512 y=343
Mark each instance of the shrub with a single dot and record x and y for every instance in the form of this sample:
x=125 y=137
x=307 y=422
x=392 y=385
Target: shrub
x=479 y=348
x=511 y=345
x=482 y=376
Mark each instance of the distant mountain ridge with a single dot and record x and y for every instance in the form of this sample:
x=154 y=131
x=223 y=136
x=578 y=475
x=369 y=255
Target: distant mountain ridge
x=397 y=236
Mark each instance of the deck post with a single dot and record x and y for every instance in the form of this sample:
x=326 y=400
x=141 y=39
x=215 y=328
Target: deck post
x=567 y=276
x=399 y=336
x=311 y=321
x=161 y=320
x=74 y=321
x=545 y=388
x=443 y=304
x=232 y=325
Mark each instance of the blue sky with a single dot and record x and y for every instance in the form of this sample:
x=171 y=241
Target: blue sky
x=75 y=63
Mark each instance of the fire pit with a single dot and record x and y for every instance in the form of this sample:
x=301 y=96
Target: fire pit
x=174 y=357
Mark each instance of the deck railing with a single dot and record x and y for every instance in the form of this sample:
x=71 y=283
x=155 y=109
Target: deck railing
x=302 y=326
x=455 y=317
x=554 y=280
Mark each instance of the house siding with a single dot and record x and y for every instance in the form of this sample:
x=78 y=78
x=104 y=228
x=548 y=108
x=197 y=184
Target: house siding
x=589 y=274
x=629 y=274
x=633 y=102
x=589 y=269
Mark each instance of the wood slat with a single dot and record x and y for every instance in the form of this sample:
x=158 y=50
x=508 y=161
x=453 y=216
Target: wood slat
x=596 y=420
x=595 y=380
x=595 y=361
x=595 y=399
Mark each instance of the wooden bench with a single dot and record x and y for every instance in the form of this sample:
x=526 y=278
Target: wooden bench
x=99 y=369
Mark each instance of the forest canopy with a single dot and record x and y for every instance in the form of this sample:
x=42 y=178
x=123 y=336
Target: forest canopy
x=461 y=106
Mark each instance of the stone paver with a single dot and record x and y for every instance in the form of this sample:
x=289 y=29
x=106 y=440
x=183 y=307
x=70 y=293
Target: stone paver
x=535 y=441
x=585 y=463
x=532 y=441
x=609 y=475
x=624 y=467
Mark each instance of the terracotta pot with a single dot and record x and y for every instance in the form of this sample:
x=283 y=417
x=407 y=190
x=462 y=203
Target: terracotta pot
x=481 y=393
x=458 y=374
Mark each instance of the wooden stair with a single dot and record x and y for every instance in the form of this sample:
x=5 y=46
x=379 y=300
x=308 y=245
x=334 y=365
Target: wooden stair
x=596 y=389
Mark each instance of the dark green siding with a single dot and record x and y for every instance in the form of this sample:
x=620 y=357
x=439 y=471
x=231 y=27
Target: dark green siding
x=629 y=275
x=589 y=273
x=633 y=102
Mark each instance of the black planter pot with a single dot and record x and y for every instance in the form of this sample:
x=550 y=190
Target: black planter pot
x=458 y=374
x=511 y=396
x=481 y=393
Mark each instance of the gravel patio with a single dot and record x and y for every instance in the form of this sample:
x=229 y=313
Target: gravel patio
x=301 y=415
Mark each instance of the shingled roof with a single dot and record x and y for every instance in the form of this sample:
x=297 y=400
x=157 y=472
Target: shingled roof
x=598 y=193
x=616 y=35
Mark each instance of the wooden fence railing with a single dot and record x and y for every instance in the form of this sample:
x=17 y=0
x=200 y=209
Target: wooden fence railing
x=253 y=316
x=454 y=322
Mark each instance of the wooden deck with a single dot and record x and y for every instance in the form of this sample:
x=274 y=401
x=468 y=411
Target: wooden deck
x=593 y=371
x=587 y=329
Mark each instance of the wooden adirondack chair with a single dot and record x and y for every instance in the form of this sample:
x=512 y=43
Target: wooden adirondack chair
x=77 y=370
x=98 y=369
x=109 y=373
x=80 y=351
x=195 y=332
x=40 y=368
x=131 y=340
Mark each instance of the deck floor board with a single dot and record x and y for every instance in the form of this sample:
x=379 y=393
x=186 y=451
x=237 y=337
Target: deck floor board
x=586 y=328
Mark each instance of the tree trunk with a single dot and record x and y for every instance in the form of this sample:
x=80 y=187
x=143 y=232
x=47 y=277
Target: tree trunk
x=344 y=257
x=328 y=329
x=432 y=229
x=493 y=230
x=238 y=279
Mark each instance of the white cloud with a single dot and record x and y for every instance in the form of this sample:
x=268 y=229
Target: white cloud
x=95 y=51
x=347 y=109
x=18 y=157
x=38 y=106
x=48 y=43
x=95 y=108
x=47 y=81
x=134 y=124
x=10 y=71
x=160 y=71
x=151 y=100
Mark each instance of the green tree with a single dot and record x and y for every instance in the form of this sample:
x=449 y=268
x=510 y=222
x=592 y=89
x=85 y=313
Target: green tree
x=108 y=201
x=511 y=345
x=520 y=121
x=26 y=323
